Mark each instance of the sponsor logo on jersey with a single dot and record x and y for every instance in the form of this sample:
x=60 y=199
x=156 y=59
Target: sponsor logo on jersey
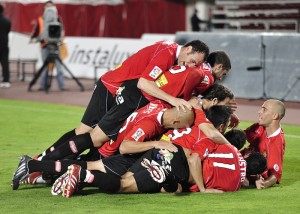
x=139 y=133
x=161 y=81
x=205 y=80
x=155 y=72
x=276 y=167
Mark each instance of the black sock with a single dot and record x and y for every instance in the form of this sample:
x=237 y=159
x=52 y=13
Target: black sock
x=106 y=182
x=75 y=145
x=53 y=167
x=63 y=139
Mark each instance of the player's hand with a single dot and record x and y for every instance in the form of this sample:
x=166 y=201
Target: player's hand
x=260 y=182
x=234 y=121
x=233 y=105
x=246 y=183
x=166 y=145
x=212 y=191
x=181 y=104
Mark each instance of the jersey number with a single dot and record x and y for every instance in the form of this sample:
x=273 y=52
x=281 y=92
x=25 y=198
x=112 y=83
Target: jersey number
x=128 y=120
x=176 y=134
x=222 y=165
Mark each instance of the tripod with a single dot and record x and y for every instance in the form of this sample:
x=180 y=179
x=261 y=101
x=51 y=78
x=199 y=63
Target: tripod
x=261 y=67
x=50 y=60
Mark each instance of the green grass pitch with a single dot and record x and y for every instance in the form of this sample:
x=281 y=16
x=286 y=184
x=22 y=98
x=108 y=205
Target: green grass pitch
x=29 y=128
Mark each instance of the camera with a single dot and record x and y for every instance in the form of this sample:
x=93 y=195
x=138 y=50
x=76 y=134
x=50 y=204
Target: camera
x=54 y=33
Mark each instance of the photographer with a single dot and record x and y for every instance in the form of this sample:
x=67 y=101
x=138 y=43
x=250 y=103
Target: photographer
x=40 y=34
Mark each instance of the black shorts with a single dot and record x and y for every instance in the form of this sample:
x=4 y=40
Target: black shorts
x=119 y=164
x=101 y=101
x=176 y=163
x=129 y=100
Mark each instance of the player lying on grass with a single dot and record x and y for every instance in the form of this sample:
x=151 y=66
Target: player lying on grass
x=146 y=123
x=267 y=137
x=138 y=125
x=161 y=169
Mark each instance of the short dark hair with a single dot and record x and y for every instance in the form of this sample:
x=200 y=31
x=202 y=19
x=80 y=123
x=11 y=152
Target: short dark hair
x=199 y=47
x=219 y=57
x=217 y=91
x=218 y=115
x=256 y=163
x=1 y=8
x=236 y=137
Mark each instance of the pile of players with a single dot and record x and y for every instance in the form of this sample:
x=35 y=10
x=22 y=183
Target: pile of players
x=157 y=123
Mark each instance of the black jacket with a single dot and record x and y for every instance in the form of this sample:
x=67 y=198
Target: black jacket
x=5 y=26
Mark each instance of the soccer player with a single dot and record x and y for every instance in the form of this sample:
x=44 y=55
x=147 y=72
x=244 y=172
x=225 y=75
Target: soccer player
x=179 y=81
x=224 y=168
x=160 y=162
x=267 y=137
x=217 y=94
x=142 y=125
x=142 y=69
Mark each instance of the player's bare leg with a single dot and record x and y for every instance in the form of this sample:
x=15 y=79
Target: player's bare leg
x=83 y=129
x=96 y=165
x=128 y=184
x=98 y=137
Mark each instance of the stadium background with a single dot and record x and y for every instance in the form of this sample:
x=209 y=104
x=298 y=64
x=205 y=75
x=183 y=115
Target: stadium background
x=242 y=28
x=28 y=127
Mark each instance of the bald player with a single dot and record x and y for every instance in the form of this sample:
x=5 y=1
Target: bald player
x=267 y=137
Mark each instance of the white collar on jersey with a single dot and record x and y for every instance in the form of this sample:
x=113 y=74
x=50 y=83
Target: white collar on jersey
x=159 y=116
x=178 y=50
x=277 y=132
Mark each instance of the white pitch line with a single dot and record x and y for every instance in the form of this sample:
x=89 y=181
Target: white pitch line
x=292 y=136
x=39 y=109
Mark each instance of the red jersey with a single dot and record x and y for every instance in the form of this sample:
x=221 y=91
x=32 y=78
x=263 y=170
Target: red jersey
x=188 y=137
x=182 y=81
x=223 y=166
x=148 y=63
x=272 y=147
x=207 y=80
x=141 y=125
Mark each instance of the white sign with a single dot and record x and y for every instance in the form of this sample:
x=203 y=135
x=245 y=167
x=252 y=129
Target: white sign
x=87 y=54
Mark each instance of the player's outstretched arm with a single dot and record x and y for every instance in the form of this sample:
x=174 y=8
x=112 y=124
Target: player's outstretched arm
x=195 y=166
x=262 y=183
x=151 y=88
x=212 y=133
